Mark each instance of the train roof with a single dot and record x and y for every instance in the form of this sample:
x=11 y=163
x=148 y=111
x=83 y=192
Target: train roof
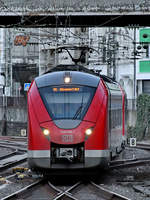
x=81 y=69
x=57 y=78
x=79 y=75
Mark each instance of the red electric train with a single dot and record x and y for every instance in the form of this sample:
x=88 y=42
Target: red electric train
x=76 y=120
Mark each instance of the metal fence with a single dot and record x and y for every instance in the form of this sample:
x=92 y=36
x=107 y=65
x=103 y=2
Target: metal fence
x=22 y=101
x=13 y=101
x=74 y=4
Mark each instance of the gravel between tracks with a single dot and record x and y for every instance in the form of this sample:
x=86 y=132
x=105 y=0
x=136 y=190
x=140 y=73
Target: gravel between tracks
x=123 y=180
x=118 y=180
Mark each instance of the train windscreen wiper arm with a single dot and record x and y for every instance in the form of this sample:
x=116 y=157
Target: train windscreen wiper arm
x=78 y=112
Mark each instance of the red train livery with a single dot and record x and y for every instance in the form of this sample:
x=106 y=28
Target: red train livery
x=76 y=120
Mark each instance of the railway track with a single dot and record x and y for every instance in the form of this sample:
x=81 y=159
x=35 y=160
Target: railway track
x=144 y=146
x=129 y=163
x=13 y=145
x=16 y=194
x=99 y=192
x=71 y=193
x=13 y=138
x=62 y=193
x=109 y=194
x=13 y=152
x=77 y=191
x=15 y=157
x=12 y=161
x=140 y=145
x=122 y=163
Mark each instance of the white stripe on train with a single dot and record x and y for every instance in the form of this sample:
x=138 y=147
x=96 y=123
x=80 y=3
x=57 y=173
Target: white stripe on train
x=88 y=153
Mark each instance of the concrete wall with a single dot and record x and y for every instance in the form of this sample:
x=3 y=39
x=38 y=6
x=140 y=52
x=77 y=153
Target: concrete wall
x=131 y=119
x=13 y=116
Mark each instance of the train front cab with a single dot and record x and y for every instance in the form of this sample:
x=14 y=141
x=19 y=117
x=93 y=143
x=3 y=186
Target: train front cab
x=96 y=148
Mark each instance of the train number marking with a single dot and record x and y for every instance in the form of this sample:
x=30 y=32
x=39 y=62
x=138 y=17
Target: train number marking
x=67 y=138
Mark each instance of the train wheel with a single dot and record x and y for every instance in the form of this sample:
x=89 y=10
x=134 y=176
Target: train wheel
x=123 y=145
x=111 y=156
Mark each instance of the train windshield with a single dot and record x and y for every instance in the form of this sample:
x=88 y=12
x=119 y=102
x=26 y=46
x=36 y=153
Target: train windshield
x=67 y=102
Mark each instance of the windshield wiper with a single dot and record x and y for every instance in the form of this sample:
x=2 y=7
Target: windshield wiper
x=78 y=112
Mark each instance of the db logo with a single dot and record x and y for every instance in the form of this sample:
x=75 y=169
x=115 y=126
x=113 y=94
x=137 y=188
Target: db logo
x=67 y=138
x=21 y=40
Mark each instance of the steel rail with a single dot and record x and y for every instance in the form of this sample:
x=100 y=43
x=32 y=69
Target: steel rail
x=22 y=190
x=127 y=163
x=14 y=146
x=139 y=145
x=124 y=161
x=142 y=146
x=109 y=194
x=104 y=192
x=18 y=155
x=9 y=154
x=64 y=193
x=14 y=162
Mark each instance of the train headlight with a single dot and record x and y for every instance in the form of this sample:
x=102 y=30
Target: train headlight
x=67 y=79
x=46 y=132
x=89 y=131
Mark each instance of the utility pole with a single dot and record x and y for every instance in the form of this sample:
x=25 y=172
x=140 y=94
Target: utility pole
x=8 y=60
x=134 y=43
x=114 y=55
x=109 y=56
x=56 y=44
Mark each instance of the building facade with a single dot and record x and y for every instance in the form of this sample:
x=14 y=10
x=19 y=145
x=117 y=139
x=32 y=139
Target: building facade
x=121 y=53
